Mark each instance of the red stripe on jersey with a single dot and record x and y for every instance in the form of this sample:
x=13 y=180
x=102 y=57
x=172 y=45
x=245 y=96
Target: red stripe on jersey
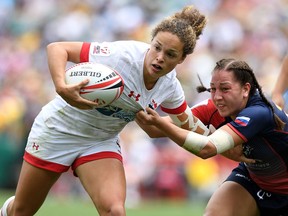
x=96 y=156
x=276 y=185
x=237 y=132
x=37 y=162
x=178 y=110
x=84 y=54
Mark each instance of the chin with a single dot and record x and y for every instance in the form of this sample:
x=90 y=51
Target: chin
x=224 y=114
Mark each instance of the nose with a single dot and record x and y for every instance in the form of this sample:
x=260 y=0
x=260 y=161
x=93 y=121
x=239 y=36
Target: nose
x=217 y=95
x=160 y=57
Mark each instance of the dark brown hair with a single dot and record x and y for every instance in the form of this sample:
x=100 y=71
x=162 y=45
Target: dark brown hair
x=187 y=25
x=243 y=74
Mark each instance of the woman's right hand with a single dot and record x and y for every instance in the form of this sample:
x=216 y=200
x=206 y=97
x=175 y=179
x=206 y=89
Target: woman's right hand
x=58 y=54
x=237 y=155
x=148 y=117
x=70 y=93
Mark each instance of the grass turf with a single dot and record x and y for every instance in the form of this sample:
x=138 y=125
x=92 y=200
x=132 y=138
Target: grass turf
x=74 y=206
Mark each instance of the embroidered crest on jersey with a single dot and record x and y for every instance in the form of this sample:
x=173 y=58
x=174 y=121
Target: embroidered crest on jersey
x=101 y=50
x=153 y=104
x=242 y=120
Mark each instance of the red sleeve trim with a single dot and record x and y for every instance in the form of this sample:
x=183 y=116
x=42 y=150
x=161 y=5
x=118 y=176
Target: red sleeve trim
x=178 y=110
x=84 y=55
x=47 y=165
x=237 y=132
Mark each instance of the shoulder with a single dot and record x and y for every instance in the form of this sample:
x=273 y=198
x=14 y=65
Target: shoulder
x=127 y=45
x=114 y=53
x=102 y=48
x=257 y=110
x=205 y=104
x=254 y=118
x=132 y=47
x=207 y=112
x=133 y=43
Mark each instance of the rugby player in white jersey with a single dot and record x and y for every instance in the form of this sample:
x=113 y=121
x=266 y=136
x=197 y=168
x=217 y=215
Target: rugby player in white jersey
x=71 y=132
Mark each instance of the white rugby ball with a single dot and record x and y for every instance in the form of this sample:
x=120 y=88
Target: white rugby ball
x=105 y=84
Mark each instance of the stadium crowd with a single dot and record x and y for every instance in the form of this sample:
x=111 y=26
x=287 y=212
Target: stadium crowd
x=255 y=31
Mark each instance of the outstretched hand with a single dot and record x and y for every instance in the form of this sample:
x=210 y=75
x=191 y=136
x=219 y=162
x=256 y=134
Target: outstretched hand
x=237 y=155
x=70 y=93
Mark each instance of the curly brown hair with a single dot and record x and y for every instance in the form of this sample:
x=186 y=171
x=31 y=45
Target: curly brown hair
x=187 y=25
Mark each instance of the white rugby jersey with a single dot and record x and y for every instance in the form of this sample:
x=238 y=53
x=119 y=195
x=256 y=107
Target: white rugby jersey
x=127 y=58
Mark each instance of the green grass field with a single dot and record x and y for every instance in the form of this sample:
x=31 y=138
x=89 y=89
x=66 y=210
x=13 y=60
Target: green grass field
x=74 y=206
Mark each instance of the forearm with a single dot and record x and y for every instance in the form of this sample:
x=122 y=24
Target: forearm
x=151 y=130
x=175 y=133
x=57 y=60
x=155 y=132
x=282 y=81
x=188 y=121
x=200 y=145
x=58 y=54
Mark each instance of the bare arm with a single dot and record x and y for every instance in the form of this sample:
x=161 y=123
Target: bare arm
x=155 y=132
x=220 y=141
x=152 y=130
x=188 y=121
x=281 y=84
x=59 y=53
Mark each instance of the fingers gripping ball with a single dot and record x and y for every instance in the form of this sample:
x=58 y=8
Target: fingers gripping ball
x=105 y=84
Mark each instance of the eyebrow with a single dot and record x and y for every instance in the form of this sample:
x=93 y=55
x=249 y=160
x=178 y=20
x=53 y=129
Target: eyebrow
x=222 y=83
x=170 y=49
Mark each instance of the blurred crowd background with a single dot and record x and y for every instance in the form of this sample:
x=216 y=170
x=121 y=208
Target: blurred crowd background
x=255 y=31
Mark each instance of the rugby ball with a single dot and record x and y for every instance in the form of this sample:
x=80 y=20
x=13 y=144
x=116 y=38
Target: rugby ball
x=105 y=84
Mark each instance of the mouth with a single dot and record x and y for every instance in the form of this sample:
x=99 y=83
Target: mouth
x=156 y=67
x=220 y=106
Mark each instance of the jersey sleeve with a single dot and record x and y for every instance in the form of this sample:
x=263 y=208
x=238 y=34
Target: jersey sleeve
x=252 y=121
x=200 y=111
x=176 y=103
x=207 y=113
x=104 y=53
x=84 y=55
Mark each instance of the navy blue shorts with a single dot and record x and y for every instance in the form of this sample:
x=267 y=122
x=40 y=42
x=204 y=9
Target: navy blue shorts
x=269 y=204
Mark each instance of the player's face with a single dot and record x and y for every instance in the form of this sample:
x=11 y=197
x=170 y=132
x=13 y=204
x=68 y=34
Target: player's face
x=166 y=51
x=227 y=94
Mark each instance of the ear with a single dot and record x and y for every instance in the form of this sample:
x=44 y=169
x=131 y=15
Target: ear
x=246 y=89
x=181 y=60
